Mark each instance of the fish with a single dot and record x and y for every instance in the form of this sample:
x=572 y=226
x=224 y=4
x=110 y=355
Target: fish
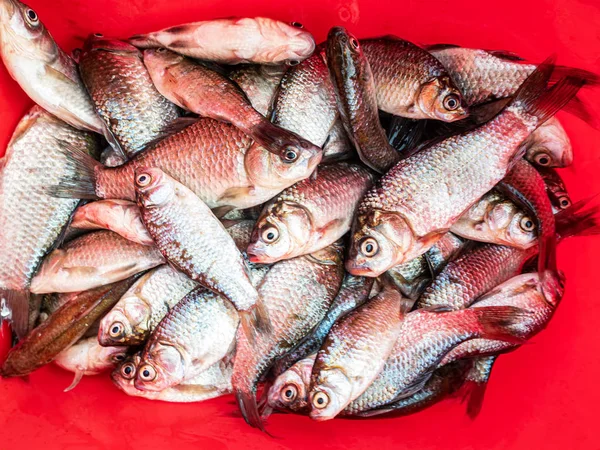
x=354 y=86
x=497 y=220
x=62 y=329
x=549 y=146
x=213 y=382
x=93 y=260
x=289 y=391
x=241 y=40
x=122 y=91
x=297 y=294
x=337 y=146
x=143 y=306
x=409 y=209
x=353 y=293
x=426 y=336
x=87 y=357
x=556 y=189
x=240 y=231
x=309 y=215
x=476 y=382
x=44 y=71
x=242 y=174
x=411 y=83
x=198 y=332
x=352 y=354
x=259 y=83
x=31 y=220
x=196 y=88
x=193 y=240
x=121 y=216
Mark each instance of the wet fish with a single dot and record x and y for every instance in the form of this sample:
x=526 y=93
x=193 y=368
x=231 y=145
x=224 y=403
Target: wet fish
x=240 y=231
x=259 y=83
x=549 y=146
x=310 y=215
x=46 y=73
x=203 y=91
x=556 y=189
x=289 y=391
x=143 y=306
x=410 y=208
x=87 y=357
x=93 y=260
x=123 y=93
x=31 y=220
x=354 y=86
x=297 y=294
x=352 y=355
x=476 y=383
x=62 y=329
x=197 y=333
x=241 y=40
x=337 y=146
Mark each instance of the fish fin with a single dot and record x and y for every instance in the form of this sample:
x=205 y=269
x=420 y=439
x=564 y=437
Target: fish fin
x=266 y=412
x=505 y=55
x=60 y=76
x=169 y=130
x=114 y=143
x=234 y=193
x=143 y=41
x=222 y=211
x=18 y=304
x=482 y=113
x=416 y=386
x=410 y=290
x=406 y=304
x=434 y=47
x=78 y=376
x=405 y=134
x=580 y=219
x=475 y=385
x=264 y=134
x=255 y=322
x=590 y=78
x=496 y=321
x=79 y=181
x=249 y=409
x=536 y=99
x=579 y=109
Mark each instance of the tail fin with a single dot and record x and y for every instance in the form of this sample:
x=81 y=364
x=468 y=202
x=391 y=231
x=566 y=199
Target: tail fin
x=79 y=180
x=496 y=322
x=15 y=305
x=475 y=384
x=583 y=111
x=590 y=78
x=249 y=409
x=580 y=219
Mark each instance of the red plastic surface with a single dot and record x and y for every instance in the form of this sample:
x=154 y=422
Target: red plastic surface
x=545 y=395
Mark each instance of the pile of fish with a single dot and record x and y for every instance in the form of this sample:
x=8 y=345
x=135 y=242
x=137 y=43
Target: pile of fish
x=345 y=229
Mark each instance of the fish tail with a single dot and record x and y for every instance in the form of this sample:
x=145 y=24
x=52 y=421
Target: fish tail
x=76 y=379
x=581 y=219
x=535 y=98
x=475 y=384
x=496 y=322
x=255 y=321
x=590 y=78
x=14 y=304
x=249 y=409
x=578 y=108
x=79 y=180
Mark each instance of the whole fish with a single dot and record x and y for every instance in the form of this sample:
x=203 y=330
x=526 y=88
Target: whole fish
x=213 y=159
x=411 y=83
x=193 y=240
x=203 y=91
x=46 y=73
x=497 y=220
x=259 y=83
x=353 y=293
x=240 y=40
x=549 y=146
x=87 y=357
x=297 y=294
x=213 y=382
x=121 y=216
x=354 y=86
x=337 y=146
x=289 y=391
x=425 y=338
x=31 y=220
x=143 y=306
x=62 y=329
x=93 y=260
x=354 y=352
x=557 y=190
x=310 y=215
x=198 y=332
x=410 y=208
x=123 y=93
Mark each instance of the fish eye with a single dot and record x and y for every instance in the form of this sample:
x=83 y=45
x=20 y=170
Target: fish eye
x=542 y=159
x=128 y=371
x=116 y=329
x=290 y=155
x=32 y=17
x=147 y=373
x=451 y=102
x=320 y=400
x=118 y=357
x=564 y=202
x=297 y=25
x=527 y=224
x=99 y=35
x=270 y=234
x=143 y=180
x=161 y=50
x=293 y=62
x=354 y=43
x=369 y=247
x=289 y=393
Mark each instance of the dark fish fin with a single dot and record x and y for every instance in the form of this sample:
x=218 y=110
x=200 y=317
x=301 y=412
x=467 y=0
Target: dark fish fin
x=405 y=134
x=416 y=386
x=174 y=127
x=406 y=304
x=65 y=232
x=482 y=113
x=76 y=379
x=590 y=78
x=580 y=219
x=505 y=55
x=143 y=41
x=264 y=133
x=221 y=211
x=18 y=304
x=434 y=47
x=113 y=142
x=579 y=109
x=475 y=384
x=496 y=322
x=79 y=180
x=249 y=409
x=215 y=67
x=255 y=322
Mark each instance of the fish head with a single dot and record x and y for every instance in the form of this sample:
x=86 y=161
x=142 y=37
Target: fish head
x=331 y=393
x=125 y=325
x=289 y=392
x=441 y=100
x=345 y=48
x=162 y=366
x=281 y=233
x=104 y=358
x=159 y=60
x=23 y=35
x=549 y=146
x=297 y=44
x=153 y=187
x=124 y=374
x=556 y=188
x=98 y=42
x=510 y=225
x=380 y=240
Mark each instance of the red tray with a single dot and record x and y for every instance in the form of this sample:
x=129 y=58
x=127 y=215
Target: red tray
x=545 y=395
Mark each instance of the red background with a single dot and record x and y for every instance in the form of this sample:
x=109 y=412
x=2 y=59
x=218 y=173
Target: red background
x=545 y=395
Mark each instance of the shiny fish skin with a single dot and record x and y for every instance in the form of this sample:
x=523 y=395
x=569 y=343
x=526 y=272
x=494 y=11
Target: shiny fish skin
x=259 y=83
x=198 y=332
x=311 y=214
x=549 y=146
x=123 y=93
x=240 y=231
x=93 y=260
x=289 y=391
x=143 y=306
x=241 y=40
x=337 y=146
x=352 y=355
x=297 y=294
